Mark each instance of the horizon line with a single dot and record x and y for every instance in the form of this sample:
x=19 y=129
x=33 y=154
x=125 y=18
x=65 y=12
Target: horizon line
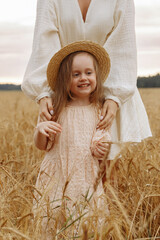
x=140 y=76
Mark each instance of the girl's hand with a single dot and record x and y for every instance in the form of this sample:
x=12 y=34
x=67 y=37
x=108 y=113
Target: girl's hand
x=108 y=114
x=48 y=127
x=101 y=150
x=45 y=109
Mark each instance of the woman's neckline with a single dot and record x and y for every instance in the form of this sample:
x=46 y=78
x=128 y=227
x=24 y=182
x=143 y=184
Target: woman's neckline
x=86 y=16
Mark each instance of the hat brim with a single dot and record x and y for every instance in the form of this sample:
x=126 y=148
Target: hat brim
x=87 y=46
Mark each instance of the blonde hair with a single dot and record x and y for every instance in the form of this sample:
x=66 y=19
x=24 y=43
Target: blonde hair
x=62 y=92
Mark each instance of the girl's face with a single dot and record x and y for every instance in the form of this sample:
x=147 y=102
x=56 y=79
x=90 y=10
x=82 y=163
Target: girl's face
x=83 y=76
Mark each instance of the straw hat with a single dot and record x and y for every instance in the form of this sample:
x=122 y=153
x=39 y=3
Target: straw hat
x=85 y=46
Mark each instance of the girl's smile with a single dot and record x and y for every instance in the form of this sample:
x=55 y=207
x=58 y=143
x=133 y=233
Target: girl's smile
x=83 y=78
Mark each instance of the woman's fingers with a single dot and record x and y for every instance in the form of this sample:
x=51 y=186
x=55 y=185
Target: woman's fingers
x=104 y=110
x=108 y=114
x=45 y=106
x=106 y=122
x=44 y=115
x=50 y=106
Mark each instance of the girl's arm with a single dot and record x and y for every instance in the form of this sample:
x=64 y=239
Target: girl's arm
x=43 y=131
x=46 y=43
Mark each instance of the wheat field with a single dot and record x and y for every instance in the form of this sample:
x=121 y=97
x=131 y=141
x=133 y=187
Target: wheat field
x=134 y=205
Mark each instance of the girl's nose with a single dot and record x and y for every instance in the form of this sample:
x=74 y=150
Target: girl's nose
x=83 y=77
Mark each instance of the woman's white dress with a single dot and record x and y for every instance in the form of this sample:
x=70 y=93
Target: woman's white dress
x=109 y=23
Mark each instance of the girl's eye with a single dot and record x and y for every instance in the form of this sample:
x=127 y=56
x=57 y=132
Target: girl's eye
x=89 y=72
x=75 y=74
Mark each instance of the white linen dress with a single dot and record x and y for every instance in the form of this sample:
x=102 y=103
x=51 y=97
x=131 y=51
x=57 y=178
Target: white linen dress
x=109 y=23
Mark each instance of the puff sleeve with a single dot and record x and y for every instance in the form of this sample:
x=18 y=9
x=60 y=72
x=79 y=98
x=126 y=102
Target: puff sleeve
x=121 y=46
x=45 y=43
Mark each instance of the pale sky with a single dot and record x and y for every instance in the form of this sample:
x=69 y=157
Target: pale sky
x=17 y=18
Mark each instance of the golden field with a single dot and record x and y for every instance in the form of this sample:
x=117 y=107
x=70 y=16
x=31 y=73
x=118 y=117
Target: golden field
x=134 y=206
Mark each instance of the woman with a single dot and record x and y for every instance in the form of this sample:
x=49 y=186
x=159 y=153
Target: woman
x=109 y=23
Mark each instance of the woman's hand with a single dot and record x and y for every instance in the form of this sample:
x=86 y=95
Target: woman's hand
x=45 y=109
x=48 y=127
x=108 y=114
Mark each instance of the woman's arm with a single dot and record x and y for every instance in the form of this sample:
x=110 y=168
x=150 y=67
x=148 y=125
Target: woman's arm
x=121 y=46
x=46 y=42
x=43 y=131
x=45 y=109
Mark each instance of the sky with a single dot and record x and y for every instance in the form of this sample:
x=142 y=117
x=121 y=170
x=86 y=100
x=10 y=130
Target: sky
x=17 y=19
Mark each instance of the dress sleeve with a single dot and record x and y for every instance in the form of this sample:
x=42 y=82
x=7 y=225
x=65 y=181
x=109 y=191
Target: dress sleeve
x=121 y=46
x=46 y=43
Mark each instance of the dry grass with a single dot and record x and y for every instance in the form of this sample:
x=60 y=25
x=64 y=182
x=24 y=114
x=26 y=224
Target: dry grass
x=134 y=208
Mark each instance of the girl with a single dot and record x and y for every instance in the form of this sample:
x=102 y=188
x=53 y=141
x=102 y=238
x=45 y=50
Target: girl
x=69 y=170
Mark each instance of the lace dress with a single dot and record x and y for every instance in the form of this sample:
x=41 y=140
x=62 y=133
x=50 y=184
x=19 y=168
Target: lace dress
x=69 y=170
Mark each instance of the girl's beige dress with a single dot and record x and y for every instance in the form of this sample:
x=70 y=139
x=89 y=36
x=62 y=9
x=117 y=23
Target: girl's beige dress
x=69 y=159
x=110 y=23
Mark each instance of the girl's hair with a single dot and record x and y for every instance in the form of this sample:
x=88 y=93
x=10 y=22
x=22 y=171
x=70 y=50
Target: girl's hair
x=62 y=92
